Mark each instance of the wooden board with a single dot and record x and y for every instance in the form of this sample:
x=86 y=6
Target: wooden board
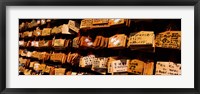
x=119 y=66
x=169 y=39
x=148 y=68
x=142 y=38
x=167 y=68
x=136 y=66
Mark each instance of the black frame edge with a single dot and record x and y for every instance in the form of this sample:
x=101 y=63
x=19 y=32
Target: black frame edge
x=4 y=90
x=100 y=2
x=3 y=47
x=197 y=45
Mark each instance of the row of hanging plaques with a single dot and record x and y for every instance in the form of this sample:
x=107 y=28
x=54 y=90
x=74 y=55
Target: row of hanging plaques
x=138 y=40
